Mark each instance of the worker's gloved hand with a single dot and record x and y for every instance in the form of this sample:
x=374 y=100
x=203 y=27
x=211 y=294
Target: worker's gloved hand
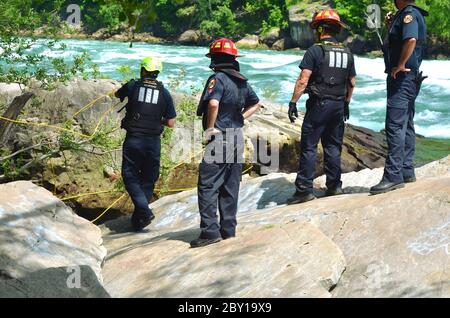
x=346 y=111
x=292 y=112
x=210 y=132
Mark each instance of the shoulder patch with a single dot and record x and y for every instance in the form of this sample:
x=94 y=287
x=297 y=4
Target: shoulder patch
x=408 y=19
x=212 y=83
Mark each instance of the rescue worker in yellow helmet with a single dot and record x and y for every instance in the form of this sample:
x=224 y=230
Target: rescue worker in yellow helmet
x=150 y=107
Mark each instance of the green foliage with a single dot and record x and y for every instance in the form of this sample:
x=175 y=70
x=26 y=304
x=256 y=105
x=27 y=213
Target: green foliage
x=166 y=164
x=103 y=138
x=107 y=15
x=67 y=140
x=126 y=72
x=430 y=149
x=229 y=18
x=20 y=62
x=119 y=185
x=10 y=168
x=222 y=23
x=186 y=117
x=273 y=14
x=276 y=19
x=438 y=21
x=174 y=81
x=354 y=13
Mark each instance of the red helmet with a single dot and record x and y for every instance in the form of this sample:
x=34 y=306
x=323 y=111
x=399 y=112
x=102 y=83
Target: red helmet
x=223 y=46
x=328 y=16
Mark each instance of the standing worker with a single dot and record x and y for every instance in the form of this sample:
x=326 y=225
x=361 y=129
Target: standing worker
x=328 y=75
x=150 y=107
x=404 y=51
x=227 y=100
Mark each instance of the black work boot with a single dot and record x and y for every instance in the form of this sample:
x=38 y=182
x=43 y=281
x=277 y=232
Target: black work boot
x=300 y=197
x=200 y=242
x=410 y=179
x=386 y=186
x=141 y=223
x=334 y=191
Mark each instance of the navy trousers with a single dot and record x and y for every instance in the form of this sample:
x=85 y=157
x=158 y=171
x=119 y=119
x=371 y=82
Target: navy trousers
x=324 y=120
x=401 y=138
x=218 y=188
x=140 y=171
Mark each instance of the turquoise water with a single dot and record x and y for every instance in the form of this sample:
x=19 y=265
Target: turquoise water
x=273 y=75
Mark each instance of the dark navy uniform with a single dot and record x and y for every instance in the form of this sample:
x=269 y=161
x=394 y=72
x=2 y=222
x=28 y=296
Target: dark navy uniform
x=332 y=66
x=149 y=103
x=402 y=92
x=221 y=168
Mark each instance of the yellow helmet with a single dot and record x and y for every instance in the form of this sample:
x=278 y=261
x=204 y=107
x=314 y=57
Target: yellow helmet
x=152 y=64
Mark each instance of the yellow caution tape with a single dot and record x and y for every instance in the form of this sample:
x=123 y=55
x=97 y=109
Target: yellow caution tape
x=108 y=208
x=21 y=122
x=92 y=103
x=87 y=194
x=247 y=170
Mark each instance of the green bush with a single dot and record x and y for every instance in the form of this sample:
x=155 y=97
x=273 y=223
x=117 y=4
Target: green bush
x=104 y=16
x=438 y=21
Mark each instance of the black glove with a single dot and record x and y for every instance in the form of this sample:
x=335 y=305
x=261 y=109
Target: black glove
x=293 y=111
x=346 y=111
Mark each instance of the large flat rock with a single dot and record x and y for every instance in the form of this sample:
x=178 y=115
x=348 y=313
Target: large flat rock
x=180 y=211
x=38 y=231
x=293 y=259
x=394 y=244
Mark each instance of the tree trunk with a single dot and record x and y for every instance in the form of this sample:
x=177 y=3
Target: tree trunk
x=12 y=112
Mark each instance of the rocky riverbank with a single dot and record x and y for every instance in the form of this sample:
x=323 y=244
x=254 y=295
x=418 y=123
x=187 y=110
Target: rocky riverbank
x=297 y=35
x=79 y=165
x=88 y=174
x=353 y=245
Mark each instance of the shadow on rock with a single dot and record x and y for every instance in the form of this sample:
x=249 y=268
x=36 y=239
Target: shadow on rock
x=56 y=282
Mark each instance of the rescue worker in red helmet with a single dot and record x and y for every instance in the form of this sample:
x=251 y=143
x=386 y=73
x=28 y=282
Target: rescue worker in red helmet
x=227 y=100
x=328 y=75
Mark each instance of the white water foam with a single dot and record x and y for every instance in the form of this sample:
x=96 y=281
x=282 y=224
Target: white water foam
x=273 y=75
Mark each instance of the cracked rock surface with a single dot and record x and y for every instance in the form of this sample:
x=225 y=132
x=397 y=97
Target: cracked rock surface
x=391 y=245
x=354 y=245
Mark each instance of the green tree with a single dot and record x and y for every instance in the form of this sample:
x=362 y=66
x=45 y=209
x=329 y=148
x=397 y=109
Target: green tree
x=20 y=60
x=222 y=22
x=355 y=13
x=438 y=21
x=265 y=14
x=24 y=58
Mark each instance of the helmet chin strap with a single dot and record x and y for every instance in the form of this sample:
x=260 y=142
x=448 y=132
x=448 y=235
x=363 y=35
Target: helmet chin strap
x=320 y=30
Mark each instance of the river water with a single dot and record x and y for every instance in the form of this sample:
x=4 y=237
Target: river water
x=273 y=74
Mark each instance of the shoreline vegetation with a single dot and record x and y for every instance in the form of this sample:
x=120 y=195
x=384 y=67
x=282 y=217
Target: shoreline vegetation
x=249 y=42
x=271 y=24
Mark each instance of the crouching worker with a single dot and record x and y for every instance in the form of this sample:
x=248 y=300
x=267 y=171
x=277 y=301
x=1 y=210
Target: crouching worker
x=227 y=100
x=150 y=107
